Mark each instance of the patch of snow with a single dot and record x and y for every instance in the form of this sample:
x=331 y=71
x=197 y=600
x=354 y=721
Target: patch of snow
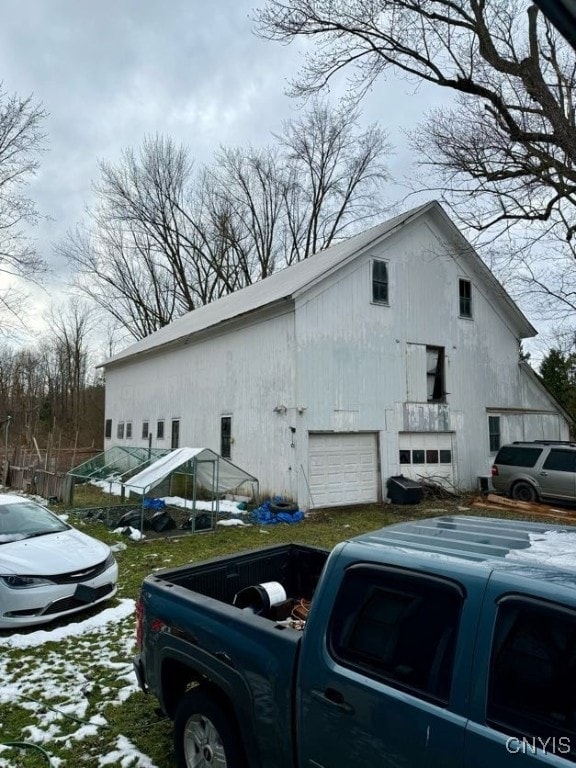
x=125 y=755
x=551 y=548
x=233 y=522
x=54 y=687
x=132 y=533
x=225 y=505
x=109 y=615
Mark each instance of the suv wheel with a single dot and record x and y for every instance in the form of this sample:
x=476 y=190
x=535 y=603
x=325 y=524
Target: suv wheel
x=524 y=492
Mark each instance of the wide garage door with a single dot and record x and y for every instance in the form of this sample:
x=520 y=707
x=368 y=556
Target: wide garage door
x=343 y=468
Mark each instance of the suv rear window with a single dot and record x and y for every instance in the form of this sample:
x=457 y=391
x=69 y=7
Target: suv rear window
x=518 y=456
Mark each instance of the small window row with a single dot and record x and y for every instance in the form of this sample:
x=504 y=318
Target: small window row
x=430 y=456
x=124 y=430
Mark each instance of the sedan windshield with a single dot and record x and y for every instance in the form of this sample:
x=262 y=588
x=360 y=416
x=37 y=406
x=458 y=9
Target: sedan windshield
x=25 y=519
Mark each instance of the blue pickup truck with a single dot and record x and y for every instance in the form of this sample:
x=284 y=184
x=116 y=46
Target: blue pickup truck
x=447 y=642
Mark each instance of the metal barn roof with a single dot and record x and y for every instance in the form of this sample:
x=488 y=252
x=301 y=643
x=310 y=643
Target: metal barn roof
x=285 y=283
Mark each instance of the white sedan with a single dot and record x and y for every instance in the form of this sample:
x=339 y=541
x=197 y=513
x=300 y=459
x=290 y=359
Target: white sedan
x=47 y=568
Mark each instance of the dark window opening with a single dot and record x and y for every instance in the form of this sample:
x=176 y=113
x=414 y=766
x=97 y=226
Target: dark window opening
x=517 y=456
x=432 y=457
x=108 y=429
x=494 y=433
x=561 y=461
x=225 y=436
x=128 y=430
x=160 y=429
x=120 y=430
x=446 y=457
x=532 y=685
x=465 y=290
x=417 y=457
x=398 y=628
x=175 y=438
x=435 y=375
x=380 y=282
x=404 y=457
x=145 y=430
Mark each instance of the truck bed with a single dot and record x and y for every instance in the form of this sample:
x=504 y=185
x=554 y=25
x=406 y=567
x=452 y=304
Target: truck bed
x=297 y=567
x=193 y=632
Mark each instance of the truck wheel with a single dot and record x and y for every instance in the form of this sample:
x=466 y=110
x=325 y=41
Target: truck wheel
x=205 y=736
x=524 y=492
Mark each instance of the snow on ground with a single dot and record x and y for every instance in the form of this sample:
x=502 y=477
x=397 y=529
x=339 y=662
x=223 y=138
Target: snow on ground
x=224 y=505
x=34 y=639
x=55 y=685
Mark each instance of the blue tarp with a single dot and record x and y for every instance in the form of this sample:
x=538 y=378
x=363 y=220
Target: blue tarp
x=264 y=515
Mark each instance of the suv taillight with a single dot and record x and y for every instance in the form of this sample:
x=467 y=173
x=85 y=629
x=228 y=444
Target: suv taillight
x=494 y=470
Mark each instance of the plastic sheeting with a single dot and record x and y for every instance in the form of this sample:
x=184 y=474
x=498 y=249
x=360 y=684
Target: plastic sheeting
x=210 y=469
x=265 y=515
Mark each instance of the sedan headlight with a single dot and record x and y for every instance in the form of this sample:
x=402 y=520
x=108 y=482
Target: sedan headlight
x=110 y=561
x=24 y=582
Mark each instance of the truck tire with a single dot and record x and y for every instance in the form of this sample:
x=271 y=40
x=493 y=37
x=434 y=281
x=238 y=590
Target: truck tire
x=205 y=736
x=523 y=491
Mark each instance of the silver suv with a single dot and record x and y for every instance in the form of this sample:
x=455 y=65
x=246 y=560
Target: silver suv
x=528 y=471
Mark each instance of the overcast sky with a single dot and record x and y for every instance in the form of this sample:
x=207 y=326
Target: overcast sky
x=111 y=72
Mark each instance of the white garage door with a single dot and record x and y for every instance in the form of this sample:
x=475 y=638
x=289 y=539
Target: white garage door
x=343 y=469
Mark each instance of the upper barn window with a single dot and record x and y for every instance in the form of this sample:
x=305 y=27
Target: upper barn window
x=380 y=282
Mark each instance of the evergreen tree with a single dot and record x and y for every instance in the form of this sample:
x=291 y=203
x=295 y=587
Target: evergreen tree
x=558 y=371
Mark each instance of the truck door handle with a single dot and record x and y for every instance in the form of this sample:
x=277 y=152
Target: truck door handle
x=543 y=474
x=333 y=698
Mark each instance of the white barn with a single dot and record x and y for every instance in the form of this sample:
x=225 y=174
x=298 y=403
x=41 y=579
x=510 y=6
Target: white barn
x=393 y=352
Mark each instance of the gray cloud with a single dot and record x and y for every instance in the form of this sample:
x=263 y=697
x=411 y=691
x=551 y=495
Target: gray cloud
x=111 y=72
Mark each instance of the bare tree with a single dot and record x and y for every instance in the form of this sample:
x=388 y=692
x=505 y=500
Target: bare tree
x=141 y=256
x=507 y=152
x=336 y=173
x=69 y=329
x=164 y=240
x=21 y=141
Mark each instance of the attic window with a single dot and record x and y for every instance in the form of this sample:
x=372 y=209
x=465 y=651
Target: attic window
x=465 y=295
x=380 y=282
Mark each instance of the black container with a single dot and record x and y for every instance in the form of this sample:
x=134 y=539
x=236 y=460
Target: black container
x=161 y=521
x=402 y=490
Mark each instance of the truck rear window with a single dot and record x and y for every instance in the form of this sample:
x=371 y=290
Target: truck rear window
x=532 y=685
x=398 y=627
x=517 y=456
